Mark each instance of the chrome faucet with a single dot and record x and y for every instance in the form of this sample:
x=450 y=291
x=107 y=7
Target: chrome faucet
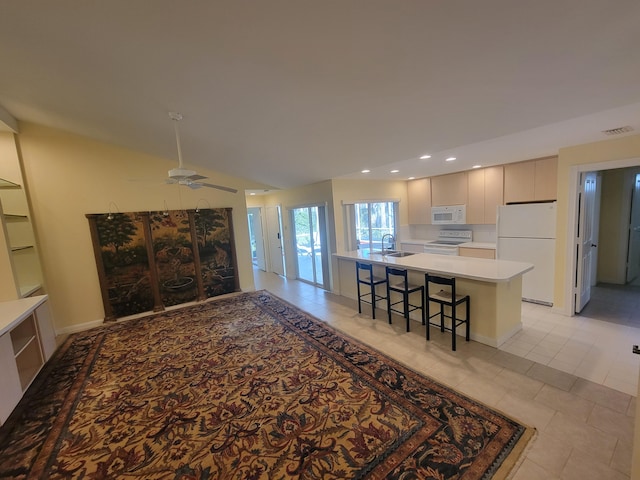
x=392 y=242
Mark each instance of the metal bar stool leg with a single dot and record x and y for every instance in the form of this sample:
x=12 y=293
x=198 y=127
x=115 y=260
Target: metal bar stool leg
x=428 y=323
x=359 y=303
x=373 y=299
x=406 y=309
x=454 y=323
x=468 y=322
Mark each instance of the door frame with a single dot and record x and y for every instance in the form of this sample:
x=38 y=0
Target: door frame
x=323 y=225
x=261 y=253
x=575 y=172
x=589 y=204
x=278 y=231
x=633 y=208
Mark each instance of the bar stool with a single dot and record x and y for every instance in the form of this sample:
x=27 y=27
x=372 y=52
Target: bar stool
x=397 y=281
x=372 y=282
x=447 y=298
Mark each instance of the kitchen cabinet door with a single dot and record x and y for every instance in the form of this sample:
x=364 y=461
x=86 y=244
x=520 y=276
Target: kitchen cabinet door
x=518 y=182
x=419 y=195
x=477 y=252
x=546 y=179
x=476 y=197
x=493 y=193
x=531 y=181
x=486 y=192
x=449 y=189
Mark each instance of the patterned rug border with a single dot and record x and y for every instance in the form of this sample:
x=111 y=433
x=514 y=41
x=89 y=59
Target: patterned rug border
x=510 y=458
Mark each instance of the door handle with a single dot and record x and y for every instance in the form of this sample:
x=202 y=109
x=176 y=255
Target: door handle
x=594 y=245
x=636 y=350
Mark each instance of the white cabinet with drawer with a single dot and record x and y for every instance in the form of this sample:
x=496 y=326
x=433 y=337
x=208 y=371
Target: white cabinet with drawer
x=27 y=341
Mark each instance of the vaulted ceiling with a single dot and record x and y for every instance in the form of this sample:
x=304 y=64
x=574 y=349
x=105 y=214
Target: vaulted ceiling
x=291 y=92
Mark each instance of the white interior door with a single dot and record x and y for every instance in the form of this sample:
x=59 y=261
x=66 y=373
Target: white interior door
x=633 y=253
x=257 y=237
x=274 y=235
x=586 y=239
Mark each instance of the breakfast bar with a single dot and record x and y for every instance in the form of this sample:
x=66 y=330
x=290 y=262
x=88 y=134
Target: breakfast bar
x=495 y=286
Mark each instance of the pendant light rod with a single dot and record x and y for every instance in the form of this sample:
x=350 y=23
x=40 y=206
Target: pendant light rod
x=176 y=117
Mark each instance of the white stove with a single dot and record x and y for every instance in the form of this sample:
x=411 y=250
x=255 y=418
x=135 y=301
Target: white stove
x=448 y=242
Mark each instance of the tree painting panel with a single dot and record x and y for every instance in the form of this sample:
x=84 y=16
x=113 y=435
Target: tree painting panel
x=173 y=250
x=124 y=255
x=213 y=229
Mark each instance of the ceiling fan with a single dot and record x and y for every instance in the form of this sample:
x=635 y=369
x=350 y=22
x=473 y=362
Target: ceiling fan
x=184 y=176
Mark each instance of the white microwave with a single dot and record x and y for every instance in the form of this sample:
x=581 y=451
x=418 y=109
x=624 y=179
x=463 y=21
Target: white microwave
x=449 y=215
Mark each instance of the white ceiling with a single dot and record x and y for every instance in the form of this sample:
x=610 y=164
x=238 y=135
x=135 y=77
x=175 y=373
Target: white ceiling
x=291 y=92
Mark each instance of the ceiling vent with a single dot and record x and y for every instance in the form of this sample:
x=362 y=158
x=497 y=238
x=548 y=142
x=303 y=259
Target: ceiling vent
x=618 y=131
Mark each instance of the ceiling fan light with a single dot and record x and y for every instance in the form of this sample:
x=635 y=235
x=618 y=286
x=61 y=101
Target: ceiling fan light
x=181 y=173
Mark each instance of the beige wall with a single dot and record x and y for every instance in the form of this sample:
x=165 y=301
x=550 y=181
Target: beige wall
x=617 y=186
x=68 y=176
x=309 y=195
x=331 y=193
x=361 y=191
x=626 y=148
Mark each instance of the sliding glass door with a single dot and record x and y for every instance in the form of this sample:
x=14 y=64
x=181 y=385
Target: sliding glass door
x=310 y=244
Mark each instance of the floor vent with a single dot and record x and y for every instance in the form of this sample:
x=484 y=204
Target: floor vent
x=618 y=131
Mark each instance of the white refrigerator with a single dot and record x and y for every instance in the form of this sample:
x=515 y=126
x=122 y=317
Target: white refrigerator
x=527 y=233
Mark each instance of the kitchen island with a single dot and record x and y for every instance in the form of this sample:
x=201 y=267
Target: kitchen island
x=495 y=286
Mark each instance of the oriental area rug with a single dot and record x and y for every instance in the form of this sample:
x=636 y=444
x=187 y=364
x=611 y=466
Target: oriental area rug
x=246 y=387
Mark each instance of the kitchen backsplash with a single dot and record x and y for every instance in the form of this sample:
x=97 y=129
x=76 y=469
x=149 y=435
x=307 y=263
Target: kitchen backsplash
x=481 y=233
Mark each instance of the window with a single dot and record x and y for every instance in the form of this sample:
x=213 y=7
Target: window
x=368 y=223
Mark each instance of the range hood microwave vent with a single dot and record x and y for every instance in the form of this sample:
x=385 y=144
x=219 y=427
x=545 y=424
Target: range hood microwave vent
x=449 y=215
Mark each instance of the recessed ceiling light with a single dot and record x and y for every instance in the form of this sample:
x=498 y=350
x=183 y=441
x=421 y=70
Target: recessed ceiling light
x=252 y=193
x=450 y=159
x=476 y=166
x=395 y=171
x=411 y=178
x=424 y=157
x=366 y=171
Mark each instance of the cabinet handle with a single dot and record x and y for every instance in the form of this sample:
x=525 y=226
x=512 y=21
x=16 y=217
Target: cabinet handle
x=636 y=350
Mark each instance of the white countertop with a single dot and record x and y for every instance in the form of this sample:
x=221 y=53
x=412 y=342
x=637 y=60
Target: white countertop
x=14 y=311
x=482 y=269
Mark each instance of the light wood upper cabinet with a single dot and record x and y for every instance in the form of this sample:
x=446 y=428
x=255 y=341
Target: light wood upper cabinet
x=419 y=196
x=449 y=189
x=475 y=207
x=485 y=194
x=545 y=185
x=493 y=192
x=531 y=181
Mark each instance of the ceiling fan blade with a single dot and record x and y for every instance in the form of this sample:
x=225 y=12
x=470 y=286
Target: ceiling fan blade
x=171 y=181
x=219 y=187
x=197 y=177
x=194 y=185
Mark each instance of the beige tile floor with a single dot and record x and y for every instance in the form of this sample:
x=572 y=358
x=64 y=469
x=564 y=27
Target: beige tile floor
x=584 y=426
x=596 y=345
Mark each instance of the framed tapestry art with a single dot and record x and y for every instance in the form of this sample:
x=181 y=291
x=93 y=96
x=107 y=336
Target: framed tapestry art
x=147 y=261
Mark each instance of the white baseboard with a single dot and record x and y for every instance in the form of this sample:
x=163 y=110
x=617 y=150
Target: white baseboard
x=81 y=327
